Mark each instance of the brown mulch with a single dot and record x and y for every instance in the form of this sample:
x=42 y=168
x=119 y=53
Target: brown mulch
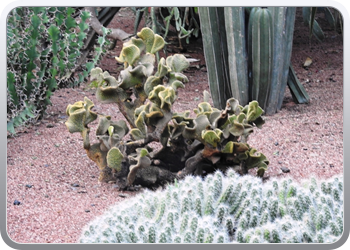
x=56 y=184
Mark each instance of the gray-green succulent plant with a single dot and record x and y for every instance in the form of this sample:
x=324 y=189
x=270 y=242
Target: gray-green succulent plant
x=214 y=139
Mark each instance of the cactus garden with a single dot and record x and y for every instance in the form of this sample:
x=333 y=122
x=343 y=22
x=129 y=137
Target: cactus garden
x=137 y=152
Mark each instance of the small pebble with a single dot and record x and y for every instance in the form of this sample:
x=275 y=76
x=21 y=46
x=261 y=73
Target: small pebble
x=50 y=125
x=87 y=210
x=285 y=170
x=276 y=143
x=16 y=202
x=75 y=185
x=124 y=195
x=29 y=186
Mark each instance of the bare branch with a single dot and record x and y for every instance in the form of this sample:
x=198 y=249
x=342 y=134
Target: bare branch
x=116 y=34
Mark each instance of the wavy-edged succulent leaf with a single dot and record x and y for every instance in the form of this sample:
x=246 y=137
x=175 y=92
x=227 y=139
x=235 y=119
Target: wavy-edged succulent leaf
x=153 y=42
x=177 y=62
x=167 y=98
x=137 y=42
x=120 y=128
x=153 y=117
x=80 y=115
x=236 y=129
x=256 y=159
x=103 y=124
x=148 y=61
x=176 y=76
x=102 y=78
x=211 y=137
x=254 y=111
x=129 y=54
x=259 y=122
x=114 y=159
x=110 y=130
x=136 y=134
x=163 y=69
x=96 y=74
x=177 y=84
x=142 y=161
x=131 y=77
x=204 y=108
x=162 y=96
x=228 y=148
x=194 y=131
x=75 y=121
x=111 y=94
x=154 y=94
x=233 y=107
x=151 y=82
x=104 y=142
x=140 y=123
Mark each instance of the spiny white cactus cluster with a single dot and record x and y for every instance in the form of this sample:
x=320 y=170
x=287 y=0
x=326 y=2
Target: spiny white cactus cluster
x=226 y=209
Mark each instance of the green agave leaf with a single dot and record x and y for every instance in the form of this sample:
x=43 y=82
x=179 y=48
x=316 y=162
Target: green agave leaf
x=114 y=159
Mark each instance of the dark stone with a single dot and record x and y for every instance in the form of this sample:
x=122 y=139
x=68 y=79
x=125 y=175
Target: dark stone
x=285 y=170
x=29 y=186
x=124 y=195
x=75 y=185
x=276 y=143
x=16 y=203
x=87 y=210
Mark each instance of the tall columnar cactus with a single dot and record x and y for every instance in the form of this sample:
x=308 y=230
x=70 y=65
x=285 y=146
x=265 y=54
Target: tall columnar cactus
x=261 y=54
x=214 y=139
x=226 y=209
x=258 y=42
